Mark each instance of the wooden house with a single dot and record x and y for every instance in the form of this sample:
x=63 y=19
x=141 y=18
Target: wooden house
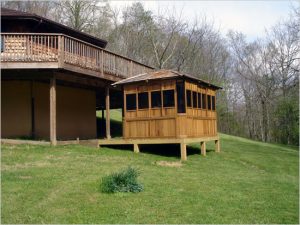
x=54 y=78
x=167 y=106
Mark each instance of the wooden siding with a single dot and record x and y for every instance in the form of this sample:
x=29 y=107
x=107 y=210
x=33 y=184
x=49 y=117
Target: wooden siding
x=200 y=122
x=65 y=51
x=165 y=122
x=76 y=116
x=149 y=122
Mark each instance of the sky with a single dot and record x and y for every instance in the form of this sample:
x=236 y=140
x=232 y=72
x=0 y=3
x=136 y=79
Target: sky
x=249 y=17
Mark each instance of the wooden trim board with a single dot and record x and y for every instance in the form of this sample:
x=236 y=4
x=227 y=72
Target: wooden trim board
x=121 y=141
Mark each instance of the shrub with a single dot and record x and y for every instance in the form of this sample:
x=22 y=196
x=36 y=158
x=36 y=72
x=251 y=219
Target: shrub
x=123 y=181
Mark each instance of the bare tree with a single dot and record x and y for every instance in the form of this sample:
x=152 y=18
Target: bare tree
x=41 y=8
x=78 y=14
x=164 y=36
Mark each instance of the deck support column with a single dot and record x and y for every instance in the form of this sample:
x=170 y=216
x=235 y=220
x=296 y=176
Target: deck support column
x=217 y=145
x=53 y=140
x=136 y=148
x=102 y=128
x=203 y=148
x=183 y=151
x=107 y=105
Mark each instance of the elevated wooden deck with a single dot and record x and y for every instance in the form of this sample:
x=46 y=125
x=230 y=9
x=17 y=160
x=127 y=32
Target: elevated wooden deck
x=182 y=141
x=58 y=51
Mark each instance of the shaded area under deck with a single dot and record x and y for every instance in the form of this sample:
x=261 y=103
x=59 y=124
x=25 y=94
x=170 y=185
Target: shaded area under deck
x=183 y=142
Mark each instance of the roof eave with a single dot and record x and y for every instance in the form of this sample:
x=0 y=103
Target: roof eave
x=100 y=42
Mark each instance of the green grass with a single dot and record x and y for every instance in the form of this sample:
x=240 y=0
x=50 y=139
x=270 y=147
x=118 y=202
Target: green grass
x=248 y=182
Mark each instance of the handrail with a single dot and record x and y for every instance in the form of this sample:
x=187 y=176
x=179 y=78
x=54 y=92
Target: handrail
x=92 y=45
x=66 y=50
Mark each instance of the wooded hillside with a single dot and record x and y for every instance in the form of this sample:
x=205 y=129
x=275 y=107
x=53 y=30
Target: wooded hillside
x=260 y=78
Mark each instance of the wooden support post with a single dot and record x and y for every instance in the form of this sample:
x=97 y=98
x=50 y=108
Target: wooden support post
x=203 y=148
x=53 y=111
x=183 y=151
x=136 y=148
x=107 y=114
x=102 y=124
x=217 y=145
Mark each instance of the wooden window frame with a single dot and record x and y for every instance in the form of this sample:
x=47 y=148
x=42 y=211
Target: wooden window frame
x=186 y=94
x=204 y=103
x=138 y=101
x=209 y=102
x=199 y=106
x=213 y=103
x=174 y=99
x=196 y=106
x=136 y=106
x=158 y=107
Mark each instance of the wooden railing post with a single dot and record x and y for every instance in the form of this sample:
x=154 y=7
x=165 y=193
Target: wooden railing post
x=61 y=51
x=27 y=47
x=107 y=106
x=102 y=63
x=53 y=111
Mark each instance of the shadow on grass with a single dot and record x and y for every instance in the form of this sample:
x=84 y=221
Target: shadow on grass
x=169 y=150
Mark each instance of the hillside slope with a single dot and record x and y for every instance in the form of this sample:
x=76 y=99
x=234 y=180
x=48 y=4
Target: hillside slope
x=248 y=182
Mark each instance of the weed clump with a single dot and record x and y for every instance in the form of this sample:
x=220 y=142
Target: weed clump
x=123 y=181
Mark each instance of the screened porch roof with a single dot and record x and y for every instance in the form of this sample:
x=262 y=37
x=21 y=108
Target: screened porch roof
x=163 y=75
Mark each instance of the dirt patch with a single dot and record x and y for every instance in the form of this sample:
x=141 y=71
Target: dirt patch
x=25 y=177
x=169 y=164
x=24 y=166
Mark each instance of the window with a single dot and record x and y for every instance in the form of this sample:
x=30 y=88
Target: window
x=213 y=102
x=131 y=102
x=143 y=100
x=199 y=101
x=194 y=99
x=155 y=99
x=188 y=98
x=180 y=97
x=168 y=98
x=208 y=102
x=203 y=101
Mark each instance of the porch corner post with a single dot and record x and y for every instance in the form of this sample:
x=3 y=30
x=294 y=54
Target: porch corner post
x=183 y=151
x=107 y=105
x=203 y=148
x=53 y=140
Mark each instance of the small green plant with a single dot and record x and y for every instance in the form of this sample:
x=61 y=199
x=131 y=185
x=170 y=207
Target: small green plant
x=123 y=181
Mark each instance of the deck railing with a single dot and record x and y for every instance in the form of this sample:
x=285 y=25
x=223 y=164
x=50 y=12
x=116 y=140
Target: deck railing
x=63 y=49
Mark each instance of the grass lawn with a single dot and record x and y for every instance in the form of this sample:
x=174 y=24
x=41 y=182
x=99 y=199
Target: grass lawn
x=248 y=182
